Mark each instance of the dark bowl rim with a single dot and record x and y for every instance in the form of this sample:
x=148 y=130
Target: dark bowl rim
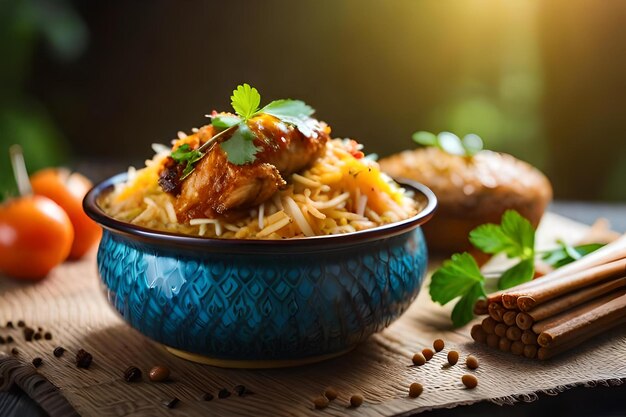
x=144 y=234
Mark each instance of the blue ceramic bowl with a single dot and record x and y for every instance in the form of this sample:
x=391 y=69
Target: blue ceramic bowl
x=260 y=303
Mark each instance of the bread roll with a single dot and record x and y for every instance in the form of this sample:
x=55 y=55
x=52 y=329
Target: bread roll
x=471 y=191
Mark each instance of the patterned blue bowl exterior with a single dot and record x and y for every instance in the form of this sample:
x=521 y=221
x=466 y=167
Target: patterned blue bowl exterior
x=259 y=301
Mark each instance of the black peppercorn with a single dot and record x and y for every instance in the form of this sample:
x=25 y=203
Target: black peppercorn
x=14 y=351
x=207 y=396
x=10 y=324
x=10 y=339
x=171 y=403
x=20 y=323
x=2 y=341
x=223 y=393
x=37 y=362
x=241 y=390
x=47 y=336
x=132 y=374
x=58 y=351
x=83 y=359
x=37 y=336
x=28 y=333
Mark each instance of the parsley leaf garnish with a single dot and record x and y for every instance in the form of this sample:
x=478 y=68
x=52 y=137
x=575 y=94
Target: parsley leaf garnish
x=184 y=154
x=240 y=147
x=448 y=142
x=566 y=254
x=518 y=274
x=459 y=276
x=245 y=100
x=225 y=121
x=515 y=236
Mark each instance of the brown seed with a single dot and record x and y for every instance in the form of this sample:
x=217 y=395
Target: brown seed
x=478 y=333
x=37 y=362
x=438 y=345
x=330 y=393
x=14 y=351
x=241 y=390
x=356 y=400
x=223 y=393
x=470 y=381
x=47 y=336
x=500 y=329
x=415 y=390
x=21 y=323
x=132 y=374
x=428 y=353
x=320 y=402
x=471 y=362
x=419 y=359
x=453 y=357
x=10 y=324
x=159 y=373
x=37 y=336
x=207 y=396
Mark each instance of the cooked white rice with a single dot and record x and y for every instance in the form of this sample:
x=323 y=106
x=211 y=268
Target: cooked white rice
x=339 y=193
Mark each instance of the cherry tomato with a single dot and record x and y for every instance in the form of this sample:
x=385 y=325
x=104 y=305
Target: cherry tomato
x=68 y=190
x=35 y=236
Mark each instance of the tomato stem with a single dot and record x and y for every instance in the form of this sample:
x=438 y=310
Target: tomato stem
x=19 y=170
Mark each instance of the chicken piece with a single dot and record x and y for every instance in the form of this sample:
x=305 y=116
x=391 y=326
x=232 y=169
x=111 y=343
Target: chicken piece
x=217 y=187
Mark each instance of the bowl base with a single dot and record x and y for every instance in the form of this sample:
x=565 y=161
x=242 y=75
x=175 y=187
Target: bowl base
x=252 y=364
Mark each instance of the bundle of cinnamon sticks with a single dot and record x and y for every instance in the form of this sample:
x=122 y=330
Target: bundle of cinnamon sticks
x=549 y=315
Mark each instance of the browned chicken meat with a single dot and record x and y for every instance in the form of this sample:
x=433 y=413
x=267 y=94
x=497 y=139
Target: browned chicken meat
x=217 y=187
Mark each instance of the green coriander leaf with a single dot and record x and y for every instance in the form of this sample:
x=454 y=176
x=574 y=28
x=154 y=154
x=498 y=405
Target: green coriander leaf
x=305 y=126
x=518 y=274
x=425 y=138
x=515 y=236
x=566 y=254
x=472 y=144
x=240 y=148
x=288 y=108
x=450 y=143
x=181 y=153
x=521 y=232
x=455 y=278
x=225 y=121
x=463 y=311
x=490 y=238
x=245 y=100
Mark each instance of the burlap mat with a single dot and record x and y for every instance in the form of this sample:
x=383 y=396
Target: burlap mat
x=70 y=305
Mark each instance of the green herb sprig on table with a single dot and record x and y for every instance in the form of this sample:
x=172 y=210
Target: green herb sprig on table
x=448 y=142
x=239 y=147
x=461 y=277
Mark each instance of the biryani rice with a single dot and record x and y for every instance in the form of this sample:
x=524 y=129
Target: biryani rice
x=338 y=193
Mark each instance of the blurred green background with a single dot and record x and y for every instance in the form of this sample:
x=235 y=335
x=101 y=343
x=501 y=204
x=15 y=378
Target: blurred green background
x=92 y=84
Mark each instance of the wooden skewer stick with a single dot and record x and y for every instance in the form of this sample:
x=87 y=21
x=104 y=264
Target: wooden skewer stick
x=611 y=252
x=554 y=288
x=604 y=316
x=566 y=316
x=525 y=320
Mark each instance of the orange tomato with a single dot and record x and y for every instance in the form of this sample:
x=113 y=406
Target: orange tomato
x=68 y=190
x=35 y=236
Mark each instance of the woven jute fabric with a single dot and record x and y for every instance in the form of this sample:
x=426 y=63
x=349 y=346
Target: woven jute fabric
x=71 y=305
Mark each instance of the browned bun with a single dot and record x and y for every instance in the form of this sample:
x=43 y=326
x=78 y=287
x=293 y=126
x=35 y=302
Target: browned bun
x=471 y=191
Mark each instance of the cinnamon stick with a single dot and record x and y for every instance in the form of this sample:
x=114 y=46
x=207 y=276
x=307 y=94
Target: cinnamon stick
x=568 y=301
x=496 y=311
x=509 y=317
x=530 y=351
x=480 y=307
x=529 y=337
x=611 y=252
x=604 y=317
x=566 y=316
x=556 y=287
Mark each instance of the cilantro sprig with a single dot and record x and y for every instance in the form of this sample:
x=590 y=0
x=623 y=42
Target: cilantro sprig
x=448 y=142
x=515 y=237
x=239 y=147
